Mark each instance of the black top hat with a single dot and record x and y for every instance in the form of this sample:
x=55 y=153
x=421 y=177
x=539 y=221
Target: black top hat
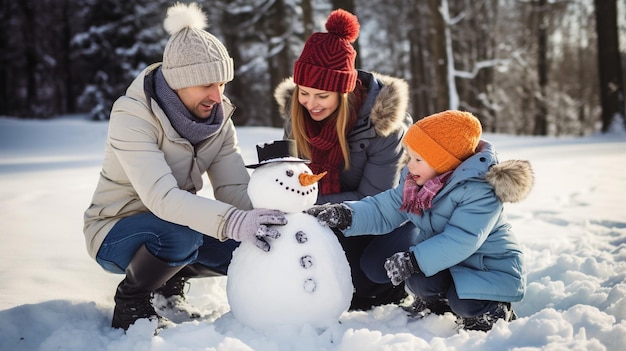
x=277 y=151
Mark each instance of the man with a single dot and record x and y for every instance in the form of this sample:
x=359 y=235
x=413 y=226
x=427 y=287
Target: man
x=145 y=219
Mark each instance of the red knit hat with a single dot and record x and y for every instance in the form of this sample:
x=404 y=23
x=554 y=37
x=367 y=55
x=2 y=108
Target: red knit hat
x=327 y=60
x=444 y=139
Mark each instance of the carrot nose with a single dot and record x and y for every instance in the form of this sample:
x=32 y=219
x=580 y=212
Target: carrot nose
x=308 y=179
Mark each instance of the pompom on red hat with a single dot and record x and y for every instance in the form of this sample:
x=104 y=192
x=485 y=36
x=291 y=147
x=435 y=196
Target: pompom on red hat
x=444 y=139
x=327 y=60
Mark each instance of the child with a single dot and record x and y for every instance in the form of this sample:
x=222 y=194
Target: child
x=467 y=259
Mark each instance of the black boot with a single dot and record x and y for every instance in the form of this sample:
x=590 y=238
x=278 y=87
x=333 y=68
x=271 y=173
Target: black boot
x=379 y=294
x=144 y=274
x=485 y=322
x=420 y=308
x=170 y=300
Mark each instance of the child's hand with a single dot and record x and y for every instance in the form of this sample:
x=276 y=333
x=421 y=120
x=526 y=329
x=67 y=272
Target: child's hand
x=335 y=216
x=400 y=266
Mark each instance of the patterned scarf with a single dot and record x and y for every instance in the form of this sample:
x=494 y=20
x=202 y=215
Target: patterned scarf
x=325 y=149
x=187 y=125
x=415 y=198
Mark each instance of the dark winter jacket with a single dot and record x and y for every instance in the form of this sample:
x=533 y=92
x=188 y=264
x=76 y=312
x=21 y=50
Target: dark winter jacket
x=376 y=151
x=466 y=230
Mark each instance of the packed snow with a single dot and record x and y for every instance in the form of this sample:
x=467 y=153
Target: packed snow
x=53 y=296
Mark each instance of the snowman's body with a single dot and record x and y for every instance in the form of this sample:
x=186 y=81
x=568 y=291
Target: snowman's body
x=305 y=277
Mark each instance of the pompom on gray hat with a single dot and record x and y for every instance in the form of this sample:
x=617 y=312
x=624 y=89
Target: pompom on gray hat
x=193 y=56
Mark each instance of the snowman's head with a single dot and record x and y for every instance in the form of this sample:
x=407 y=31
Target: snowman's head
x=286 y=186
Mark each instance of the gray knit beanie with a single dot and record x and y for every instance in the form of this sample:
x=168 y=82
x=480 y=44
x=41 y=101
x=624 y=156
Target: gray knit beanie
x=193 y=56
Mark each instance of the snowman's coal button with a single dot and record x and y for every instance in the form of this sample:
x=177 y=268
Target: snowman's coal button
x=306 y=261
x=310 y=285
x=301 y=237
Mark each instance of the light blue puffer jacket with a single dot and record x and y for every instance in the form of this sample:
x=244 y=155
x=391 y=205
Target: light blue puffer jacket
x=466 y=230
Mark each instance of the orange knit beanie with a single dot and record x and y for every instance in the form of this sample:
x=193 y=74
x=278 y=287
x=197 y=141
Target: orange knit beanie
x=444 y=139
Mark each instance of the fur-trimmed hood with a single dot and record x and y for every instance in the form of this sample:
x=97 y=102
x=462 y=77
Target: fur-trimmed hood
x=388 y=109
x=512 y=180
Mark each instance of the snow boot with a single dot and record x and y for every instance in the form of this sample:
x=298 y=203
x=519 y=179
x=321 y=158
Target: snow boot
x=420 y=308
x=144 y=274
x=171 y=303
x=381 y=294
x=486 y=321
x=170 y=299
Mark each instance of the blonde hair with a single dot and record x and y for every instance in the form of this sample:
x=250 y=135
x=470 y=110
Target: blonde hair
x=298 y=127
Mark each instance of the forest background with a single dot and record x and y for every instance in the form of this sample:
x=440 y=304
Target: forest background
x=533 y=67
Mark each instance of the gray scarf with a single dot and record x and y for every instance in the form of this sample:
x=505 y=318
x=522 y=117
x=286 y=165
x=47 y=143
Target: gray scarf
x=187 y=125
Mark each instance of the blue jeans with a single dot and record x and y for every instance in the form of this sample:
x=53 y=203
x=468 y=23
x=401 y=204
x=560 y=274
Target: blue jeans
x=173 y=243
x=441 y=286
x=367 y=255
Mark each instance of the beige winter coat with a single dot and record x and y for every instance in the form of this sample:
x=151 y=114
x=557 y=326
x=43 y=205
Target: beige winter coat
x=149 y=167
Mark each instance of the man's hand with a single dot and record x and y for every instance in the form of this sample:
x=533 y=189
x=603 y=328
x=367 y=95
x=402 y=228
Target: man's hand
x=254 y=225
x=400 y=266
x=335 y=216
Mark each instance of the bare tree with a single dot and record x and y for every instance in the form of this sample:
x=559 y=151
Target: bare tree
x=609 y=65
x=349 y=6
x=419 y=63
x=541 y=114
x=439 y=57
x=278 y=58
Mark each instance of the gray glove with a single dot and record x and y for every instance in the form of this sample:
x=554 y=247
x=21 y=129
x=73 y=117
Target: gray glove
x=335 y=216
x=400 y=266
x=253 y=226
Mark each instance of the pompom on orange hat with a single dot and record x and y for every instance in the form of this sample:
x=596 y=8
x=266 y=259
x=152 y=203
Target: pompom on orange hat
x=444 y=139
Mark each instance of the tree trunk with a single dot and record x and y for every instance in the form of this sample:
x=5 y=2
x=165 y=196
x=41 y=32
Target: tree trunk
x=438 y=42
x=66 y=71
x=235 y=90
x=279 y=62
x=30 y=53
x=307 y=19
x=6 y=95
x=420 y=99
x=609 y=66
x=349 y=6
x=541 y=114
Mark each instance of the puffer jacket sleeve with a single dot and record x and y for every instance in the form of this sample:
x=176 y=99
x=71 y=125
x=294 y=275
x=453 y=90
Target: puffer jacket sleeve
x=134 y=141
x=377 y=214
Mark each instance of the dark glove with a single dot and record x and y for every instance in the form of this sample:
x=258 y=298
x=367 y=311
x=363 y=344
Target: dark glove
x=335 y=216
x=400 y=266
x=253 y=226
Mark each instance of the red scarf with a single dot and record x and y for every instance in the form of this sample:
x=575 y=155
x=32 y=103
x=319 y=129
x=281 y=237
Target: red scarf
x=326 y=152
x=415 y=198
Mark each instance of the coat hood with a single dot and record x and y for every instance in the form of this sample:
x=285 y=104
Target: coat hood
x=387 y=112
x=511 y=180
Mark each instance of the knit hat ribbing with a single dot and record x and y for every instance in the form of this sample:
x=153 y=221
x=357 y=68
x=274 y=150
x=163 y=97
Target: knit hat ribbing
x=193 y=56
x=444 y=139
x=327 y=59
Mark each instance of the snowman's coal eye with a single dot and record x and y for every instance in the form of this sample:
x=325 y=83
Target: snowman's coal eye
x=289 y=173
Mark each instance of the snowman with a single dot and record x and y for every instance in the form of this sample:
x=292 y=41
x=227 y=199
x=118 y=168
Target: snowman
x=305 y=278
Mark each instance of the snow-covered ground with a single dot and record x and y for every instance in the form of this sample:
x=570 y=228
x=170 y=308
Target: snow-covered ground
x=54 y=297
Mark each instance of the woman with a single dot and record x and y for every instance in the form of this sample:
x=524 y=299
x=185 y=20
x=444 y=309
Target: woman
x=350 y=124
